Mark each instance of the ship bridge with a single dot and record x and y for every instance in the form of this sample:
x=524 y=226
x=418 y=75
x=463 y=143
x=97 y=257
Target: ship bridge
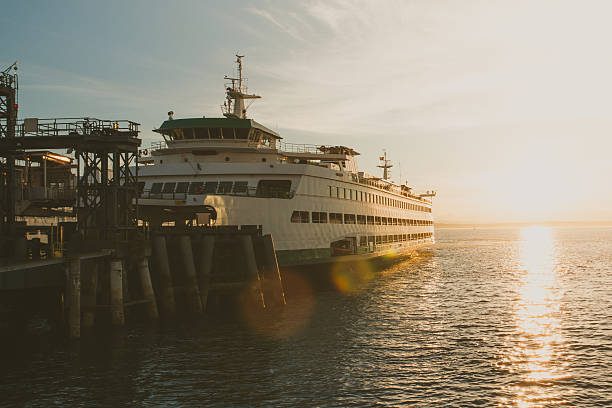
x=225 y=133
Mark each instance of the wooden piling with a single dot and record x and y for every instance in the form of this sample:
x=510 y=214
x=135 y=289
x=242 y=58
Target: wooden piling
x=89 y=286
x=194 y=303
x=20 y=252
x=116 y=292
x=165 y=292
x=251 y=266
x=205 y=262
x=74 y=291
x=147 y=288
x=272 y=277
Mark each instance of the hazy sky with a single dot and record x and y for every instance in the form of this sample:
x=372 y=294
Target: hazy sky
x=503 y=107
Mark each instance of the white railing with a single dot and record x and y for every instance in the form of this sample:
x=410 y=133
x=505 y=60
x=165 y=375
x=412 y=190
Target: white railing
x=313 y=149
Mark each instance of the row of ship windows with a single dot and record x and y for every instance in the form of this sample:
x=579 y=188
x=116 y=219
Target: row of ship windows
x=199 y=187
x=265 y=188
x=358 y=195
x=385 y=239
x=304 y=217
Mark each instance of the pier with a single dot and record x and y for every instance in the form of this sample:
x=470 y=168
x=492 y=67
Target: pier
x=72 y=242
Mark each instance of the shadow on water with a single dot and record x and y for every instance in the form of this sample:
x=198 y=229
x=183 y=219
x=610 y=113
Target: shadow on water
x=236 y=352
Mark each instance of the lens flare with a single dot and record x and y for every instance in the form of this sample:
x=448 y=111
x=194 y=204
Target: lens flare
x=351 y=277
x=281 y=322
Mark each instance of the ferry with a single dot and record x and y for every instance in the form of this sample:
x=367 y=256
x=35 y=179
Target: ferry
x=313 y=199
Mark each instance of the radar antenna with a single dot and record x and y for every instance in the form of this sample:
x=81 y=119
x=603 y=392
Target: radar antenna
x=386 y=165
x=236 y=93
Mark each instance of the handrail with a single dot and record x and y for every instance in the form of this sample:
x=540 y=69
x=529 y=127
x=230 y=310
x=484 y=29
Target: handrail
x=287 y=147
x=70 y=126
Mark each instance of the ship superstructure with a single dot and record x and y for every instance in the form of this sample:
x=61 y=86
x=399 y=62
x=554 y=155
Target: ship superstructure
x=313 y=199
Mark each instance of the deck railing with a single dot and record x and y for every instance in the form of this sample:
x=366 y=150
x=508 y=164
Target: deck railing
x=79 y=126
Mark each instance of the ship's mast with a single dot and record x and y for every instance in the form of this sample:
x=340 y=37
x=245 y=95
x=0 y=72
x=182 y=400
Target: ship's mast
x=234 y=106
x=386 y=165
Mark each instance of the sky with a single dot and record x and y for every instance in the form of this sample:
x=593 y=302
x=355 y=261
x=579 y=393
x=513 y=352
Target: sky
x=502 y=107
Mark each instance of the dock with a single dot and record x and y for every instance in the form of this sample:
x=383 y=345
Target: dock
x=70 y=229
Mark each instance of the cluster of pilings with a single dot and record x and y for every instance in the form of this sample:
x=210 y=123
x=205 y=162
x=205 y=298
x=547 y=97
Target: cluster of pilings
x=198 y=268
x=187 y=271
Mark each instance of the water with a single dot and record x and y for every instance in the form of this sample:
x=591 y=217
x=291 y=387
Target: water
x=489 y=317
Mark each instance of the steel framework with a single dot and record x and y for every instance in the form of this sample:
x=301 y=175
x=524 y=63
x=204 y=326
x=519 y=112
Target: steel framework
x=107 y=161
x=8 y=121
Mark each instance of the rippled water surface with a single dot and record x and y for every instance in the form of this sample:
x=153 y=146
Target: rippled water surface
x=487 y=317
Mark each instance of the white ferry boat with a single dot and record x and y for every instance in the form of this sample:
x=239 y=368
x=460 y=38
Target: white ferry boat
x=313 y=199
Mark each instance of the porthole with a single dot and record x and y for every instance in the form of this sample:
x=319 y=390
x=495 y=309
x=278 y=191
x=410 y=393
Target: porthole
x=227 y=158
x=263 y=159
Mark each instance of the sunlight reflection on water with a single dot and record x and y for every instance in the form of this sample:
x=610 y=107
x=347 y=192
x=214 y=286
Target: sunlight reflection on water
x=536 y=349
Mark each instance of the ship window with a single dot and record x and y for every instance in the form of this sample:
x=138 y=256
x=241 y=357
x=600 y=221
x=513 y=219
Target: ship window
x=395 y=221
x=350 y=197
x=215 y=133
x=197 y=187
x=241 y=186
x=274 y=188
x=201 y=133
x=169 y=187
x=370 y=220
x=363 y=241
x=330 y=191
x=225 y=187
x=319 y=217
x=210 y=187
x=343 y=193
x=141 y=186
x=361 y=219
x=156 y=188
x=300 y=217
x=335 y=218
x=349 y=218
x=377 y=221
x=379 y=239
x=242 y=133
x=228 y=133
x=182 y=187
x=371 y=238
x=177 y=134
x=337 y=191
x=384 y=220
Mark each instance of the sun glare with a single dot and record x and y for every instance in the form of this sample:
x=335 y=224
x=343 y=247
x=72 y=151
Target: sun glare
x=537 y=346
